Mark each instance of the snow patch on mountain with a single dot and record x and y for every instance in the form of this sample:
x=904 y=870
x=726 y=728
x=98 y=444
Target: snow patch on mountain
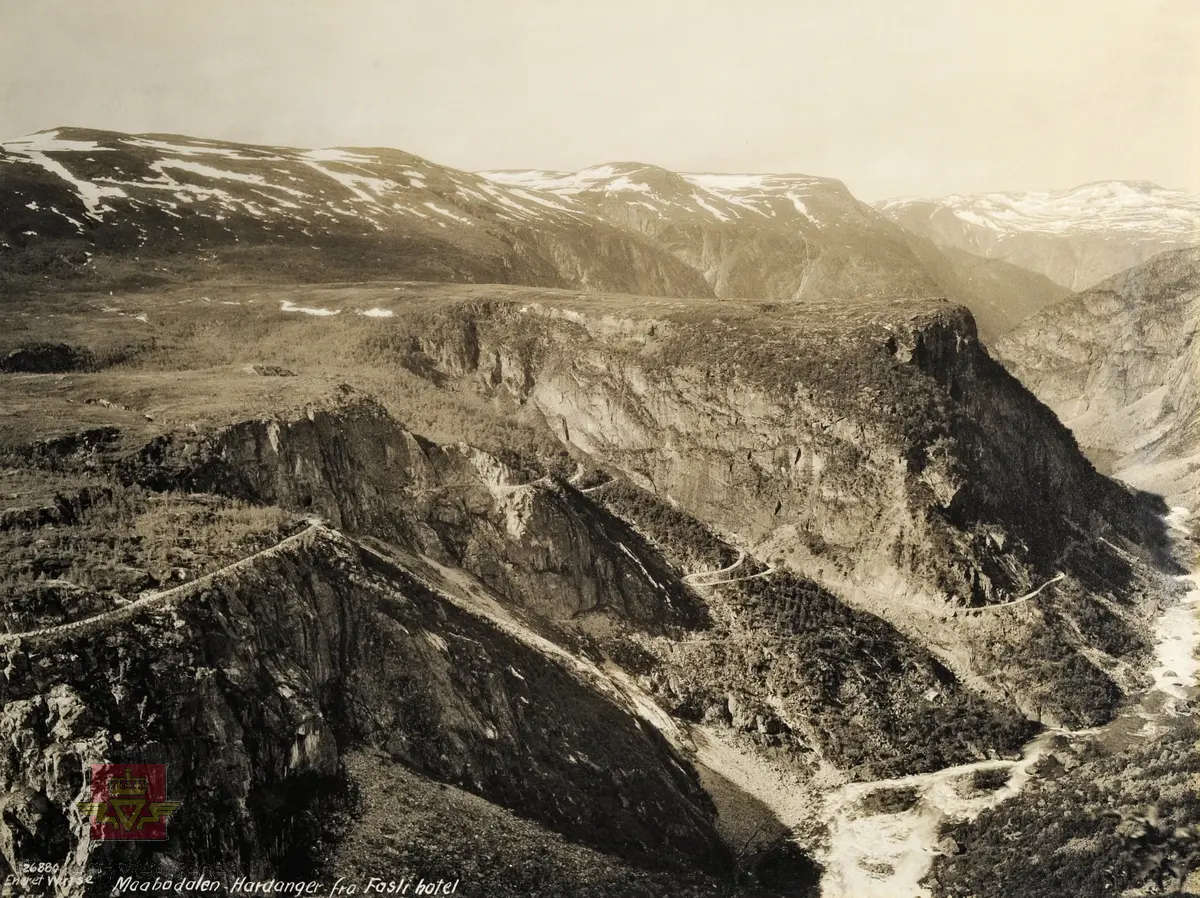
x=716 y=213
x=332 y=154
x=719 y=197
x=214 y=180
x=446 y=212
x=288 y=306
x=1130 y=207
x=541 y=201
x=352 y=181
x=193 y=150
x=34 y=149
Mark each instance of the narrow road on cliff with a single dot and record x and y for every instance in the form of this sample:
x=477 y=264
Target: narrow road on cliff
x=692 y=578
x=156 y=599
x=1026 y=597
x=770 y=569
x=580 y=471
x=505 y=489
x=969 y=610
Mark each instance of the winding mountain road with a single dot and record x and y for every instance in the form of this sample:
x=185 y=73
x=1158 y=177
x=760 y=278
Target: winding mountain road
x=770 y=569
x=692 y=578
x=1026 y=597
x=156 y=599
x=580 y=471
x=969 y=611
x=507 y=489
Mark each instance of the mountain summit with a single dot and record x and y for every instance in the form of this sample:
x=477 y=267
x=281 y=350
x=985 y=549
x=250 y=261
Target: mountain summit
x=103 y=210
x=1076 y=237
x=205 y=208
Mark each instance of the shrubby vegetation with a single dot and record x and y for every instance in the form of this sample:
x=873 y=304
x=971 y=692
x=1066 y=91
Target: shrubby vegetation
x=888 y=801
x=880 y=705
x=989 y=780
x=789 y=662
x=1104 y=628
x=1062 y=683
x=101 y=551
x=771 y=346
x=686 y=540
x=1079 y=835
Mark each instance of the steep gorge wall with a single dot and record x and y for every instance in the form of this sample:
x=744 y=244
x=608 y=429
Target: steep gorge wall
x=884 y=444
x=1120 y=364
x=538 y=543
x=895 y=463
x=251 y=690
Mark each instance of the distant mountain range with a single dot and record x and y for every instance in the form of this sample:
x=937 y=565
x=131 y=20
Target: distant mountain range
x=633 y=532
x=790 y=237
x=1120 y=365
x=102 y=209
x=1076 y=237
x=211 y=209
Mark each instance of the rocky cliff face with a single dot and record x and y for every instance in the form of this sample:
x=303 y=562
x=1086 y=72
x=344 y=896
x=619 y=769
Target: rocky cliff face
x=537 y=543
x=251 y=687
x=1077 y=237
x=875 y=450
x=1119 y=364
x=762 y=416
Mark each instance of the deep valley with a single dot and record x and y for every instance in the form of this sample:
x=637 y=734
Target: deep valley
x=610 y=533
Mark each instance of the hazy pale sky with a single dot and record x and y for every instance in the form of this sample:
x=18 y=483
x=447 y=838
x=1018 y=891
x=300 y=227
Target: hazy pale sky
x=894 y=97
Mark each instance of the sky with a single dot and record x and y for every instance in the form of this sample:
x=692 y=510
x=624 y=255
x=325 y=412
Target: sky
x=894 y=97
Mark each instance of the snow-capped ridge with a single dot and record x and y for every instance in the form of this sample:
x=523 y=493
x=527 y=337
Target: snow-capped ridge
x=1134 y=207
x=684 y=196
x=1077 y=237
x=215 y=179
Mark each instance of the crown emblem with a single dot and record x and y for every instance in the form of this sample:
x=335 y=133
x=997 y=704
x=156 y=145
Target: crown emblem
x=128 y=801
x=129 y=785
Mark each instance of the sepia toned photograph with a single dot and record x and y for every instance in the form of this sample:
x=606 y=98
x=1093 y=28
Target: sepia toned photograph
x=661 y=449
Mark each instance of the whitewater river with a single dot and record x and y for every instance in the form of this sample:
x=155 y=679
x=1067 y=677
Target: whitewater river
x=885 y=855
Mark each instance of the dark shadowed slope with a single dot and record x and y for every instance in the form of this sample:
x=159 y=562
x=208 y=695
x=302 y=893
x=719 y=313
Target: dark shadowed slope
x=89 y=207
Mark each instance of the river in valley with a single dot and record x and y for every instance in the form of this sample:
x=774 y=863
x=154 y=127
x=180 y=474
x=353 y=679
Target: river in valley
x=883 y=835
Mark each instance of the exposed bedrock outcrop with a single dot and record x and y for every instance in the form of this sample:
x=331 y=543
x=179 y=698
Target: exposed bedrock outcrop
x=902 y=445
x=879 y=451
x=251 y=689
x=538 y=543
x=1120 y=364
